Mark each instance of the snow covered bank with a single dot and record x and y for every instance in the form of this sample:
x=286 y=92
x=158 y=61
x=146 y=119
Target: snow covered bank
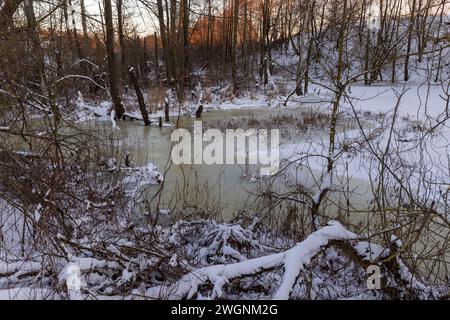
x=415 y=151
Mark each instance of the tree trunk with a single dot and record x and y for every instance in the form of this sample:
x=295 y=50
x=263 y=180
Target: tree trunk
x=75 y=33
x=184 y=39
x=265 y=42
x=84 y=26
x=114 y=75
x=155 y=36
x=173 y=43
x=397 y=28
x=234 y=46
x=166 y=111
x=121 y=35
x=7 y=12
x=301 y=50
x=245 y=41
x=367 y=58
x=209 y=32
x=38 y=57
x=224 y=39
x=140 y=97
x=164 y=39
x=408 y=46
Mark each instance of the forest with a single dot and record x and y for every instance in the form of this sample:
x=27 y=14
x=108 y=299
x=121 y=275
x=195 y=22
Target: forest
x=224 y=149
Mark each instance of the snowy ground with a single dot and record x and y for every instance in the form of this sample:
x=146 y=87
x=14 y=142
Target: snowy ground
x=420 y=107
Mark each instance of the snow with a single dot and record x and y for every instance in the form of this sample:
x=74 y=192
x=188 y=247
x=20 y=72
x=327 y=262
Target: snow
x=293 y=260
x=239 y=103
x=126 y=276
x=87 y=111
x=370 y=251
x=113 y=120
x=25 y=153
x=29 y=294
x=85 y=263
x=325 y=185
x=24 y=266
x=421 y=154
x=420 y=100
x=301 y=255
x=137 y=178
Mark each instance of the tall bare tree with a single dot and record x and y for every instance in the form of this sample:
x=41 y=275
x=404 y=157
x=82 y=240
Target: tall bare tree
x=114 y=74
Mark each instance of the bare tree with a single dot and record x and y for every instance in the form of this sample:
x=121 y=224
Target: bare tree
x=114 y=74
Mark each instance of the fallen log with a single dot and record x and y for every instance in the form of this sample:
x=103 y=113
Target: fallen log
x=140 y=97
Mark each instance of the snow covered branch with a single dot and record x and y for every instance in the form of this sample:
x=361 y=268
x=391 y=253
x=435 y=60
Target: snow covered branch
x=293 y=261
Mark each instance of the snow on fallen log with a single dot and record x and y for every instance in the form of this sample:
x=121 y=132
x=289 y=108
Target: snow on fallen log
x=24 y=266
x=88 y=263
x=138 y=177
x=293 y=261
